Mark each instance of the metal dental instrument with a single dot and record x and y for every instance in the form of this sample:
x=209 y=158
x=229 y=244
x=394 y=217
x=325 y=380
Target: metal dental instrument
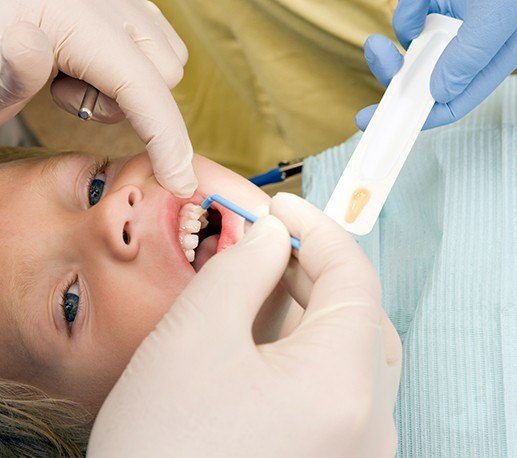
x=88 y=104
x=295 y=243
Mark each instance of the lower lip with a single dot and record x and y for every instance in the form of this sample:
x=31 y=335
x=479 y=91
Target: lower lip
x=232 y=227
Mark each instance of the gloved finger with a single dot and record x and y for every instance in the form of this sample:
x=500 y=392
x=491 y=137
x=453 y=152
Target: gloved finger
x=363 y=118
x=295 y=280
x=479 y=39
x=480 y=88
x=297 y=283
x=151 y=35
x=26 y=65
x=226 y=294
x=141 y=93
x=155 y=46
x=384 y=61
x=173 y=38
x=344 y=311
x=409 y=19
x=383 y=58
x=68 y=94
x=329 y=255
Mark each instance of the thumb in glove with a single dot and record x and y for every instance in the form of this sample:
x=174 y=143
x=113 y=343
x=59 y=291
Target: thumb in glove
x=26 y=65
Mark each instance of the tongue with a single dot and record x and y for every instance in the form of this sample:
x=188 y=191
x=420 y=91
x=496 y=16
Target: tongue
x=206 y=249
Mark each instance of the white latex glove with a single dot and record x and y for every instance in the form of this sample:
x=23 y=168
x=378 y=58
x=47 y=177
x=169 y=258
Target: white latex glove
x=125 y=48
x=199 y=386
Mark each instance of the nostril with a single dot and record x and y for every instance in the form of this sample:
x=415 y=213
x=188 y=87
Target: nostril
x=131 y=199
x=134 y=195
x=125 y=235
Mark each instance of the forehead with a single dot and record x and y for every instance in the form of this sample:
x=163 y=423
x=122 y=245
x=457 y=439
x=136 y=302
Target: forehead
x=16 y=183
x=19 y=197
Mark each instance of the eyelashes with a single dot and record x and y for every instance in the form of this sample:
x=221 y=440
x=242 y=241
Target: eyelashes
x=95 y=186
x=70 y=293
x=70 y=301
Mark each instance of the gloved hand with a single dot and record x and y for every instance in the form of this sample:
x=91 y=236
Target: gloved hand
x=200 y=386
x=125 y=48
x=482 y=55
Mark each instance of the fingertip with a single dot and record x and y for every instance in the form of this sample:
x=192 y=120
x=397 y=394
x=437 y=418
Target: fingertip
x=186 y=191
x=383 y=58
x=363 y=118
x=292 y=210
x=369 y=53
x=376 y=42
x=301 y=218
x=360 y=121
x=268 y=227
x=409 y=19
x=261 y=210
x=182 y=53
x=284 y=198
x=182 y=186
x=443 y=87
x=271 y=223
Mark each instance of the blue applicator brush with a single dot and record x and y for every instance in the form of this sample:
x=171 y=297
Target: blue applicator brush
x=250 y=217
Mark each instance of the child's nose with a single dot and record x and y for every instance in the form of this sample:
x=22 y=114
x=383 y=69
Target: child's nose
x=115 y=216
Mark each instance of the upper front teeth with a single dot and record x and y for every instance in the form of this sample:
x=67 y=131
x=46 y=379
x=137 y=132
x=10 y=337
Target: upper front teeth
x=192 y=219
x=191 y=226
x=189 y=241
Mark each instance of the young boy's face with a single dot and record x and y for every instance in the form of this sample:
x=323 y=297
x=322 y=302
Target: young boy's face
x=90 y=264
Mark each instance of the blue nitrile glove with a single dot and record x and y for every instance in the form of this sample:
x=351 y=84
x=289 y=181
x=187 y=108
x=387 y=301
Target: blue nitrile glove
x=475 y=62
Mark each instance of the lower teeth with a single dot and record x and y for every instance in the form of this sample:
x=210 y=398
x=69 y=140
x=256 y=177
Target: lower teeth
x=190 y=255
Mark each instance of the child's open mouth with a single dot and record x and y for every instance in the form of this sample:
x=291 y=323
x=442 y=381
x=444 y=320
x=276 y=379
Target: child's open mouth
x=203 y=233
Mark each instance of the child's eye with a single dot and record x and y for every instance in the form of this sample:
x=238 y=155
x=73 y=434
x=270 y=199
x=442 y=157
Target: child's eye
x=70 y=302
x=96 y=182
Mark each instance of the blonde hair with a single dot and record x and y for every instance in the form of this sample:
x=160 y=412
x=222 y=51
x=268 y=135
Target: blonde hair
x=31 y=423
x=35 y=425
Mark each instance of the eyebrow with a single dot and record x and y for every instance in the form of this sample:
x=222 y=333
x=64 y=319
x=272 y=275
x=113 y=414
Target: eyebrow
x=54 y=163
x=26 y=275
